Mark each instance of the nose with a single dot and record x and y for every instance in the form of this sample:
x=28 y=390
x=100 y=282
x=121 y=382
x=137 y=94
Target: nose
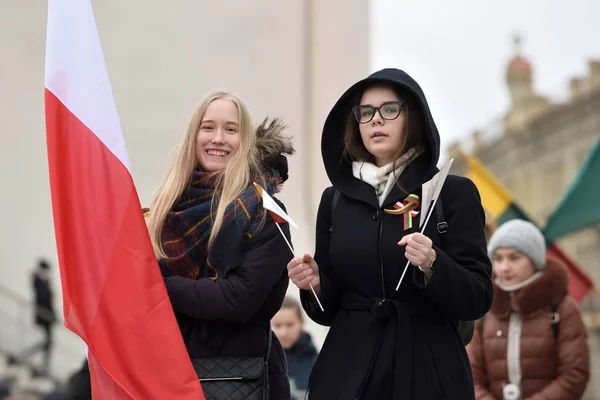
x=502 y=266
x=219 y=137
x=377 y=119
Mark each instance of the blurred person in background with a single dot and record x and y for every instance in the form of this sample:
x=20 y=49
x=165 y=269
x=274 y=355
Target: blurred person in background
x=79 y=385
x=299 y=348
x=532 y=345
x=45 y=316
x=380 y=145
x=4 y=389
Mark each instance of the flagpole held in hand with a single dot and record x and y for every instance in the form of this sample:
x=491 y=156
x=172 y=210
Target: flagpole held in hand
x=279 y=215
x=430 y=192
x=422 y=230
x=311 y=286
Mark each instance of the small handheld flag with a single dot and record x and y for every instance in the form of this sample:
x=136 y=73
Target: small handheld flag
x=279 y=216
x=430 y=192
x=271 y=205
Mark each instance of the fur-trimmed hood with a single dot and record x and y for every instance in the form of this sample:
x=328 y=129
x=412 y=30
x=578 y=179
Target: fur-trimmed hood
x=272 y=146
x=550 y=288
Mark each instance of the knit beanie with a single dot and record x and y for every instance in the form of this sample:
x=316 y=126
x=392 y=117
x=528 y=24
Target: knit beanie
x=522 y=236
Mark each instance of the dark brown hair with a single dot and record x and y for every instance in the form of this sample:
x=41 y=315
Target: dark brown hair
x=413 y=137
x=288 y=302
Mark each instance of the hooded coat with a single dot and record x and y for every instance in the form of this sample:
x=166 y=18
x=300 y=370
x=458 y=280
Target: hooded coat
x=240 y=305
x=383 y=343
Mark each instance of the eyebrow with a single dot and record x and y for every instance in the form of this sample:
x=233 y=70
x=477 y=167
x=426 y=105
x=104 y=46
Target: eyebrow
x=227 y=123
x=388 y=101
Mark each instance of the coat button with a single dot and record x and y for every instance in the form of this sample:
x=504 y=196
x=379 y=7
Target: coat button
x=376 y=215
x=499 y=333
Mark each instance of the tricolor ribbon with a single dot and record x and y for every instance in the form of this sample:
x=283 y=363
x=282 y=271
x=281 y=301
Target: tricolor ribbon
x=406 y=208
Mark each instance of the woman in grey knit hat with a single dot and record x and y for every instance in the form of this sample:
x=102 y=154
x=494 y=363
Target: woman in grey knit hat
x=533 y=343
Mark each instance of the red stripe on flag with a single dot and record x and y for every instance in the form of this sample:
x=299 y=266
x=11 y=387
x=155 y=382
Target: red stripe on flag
x=114 y=296
x=103 y=386
x=276 y=217
x=579 y=282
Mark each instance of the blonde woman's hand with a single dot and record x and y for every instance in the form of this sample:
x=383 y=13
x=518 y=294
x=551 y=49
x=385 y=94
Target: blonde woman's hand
x=304 y=271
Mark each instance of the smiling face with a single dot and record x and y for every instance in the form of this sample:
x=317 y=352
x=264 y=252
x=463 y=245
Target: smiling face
x=218 y=138
x=383 y=138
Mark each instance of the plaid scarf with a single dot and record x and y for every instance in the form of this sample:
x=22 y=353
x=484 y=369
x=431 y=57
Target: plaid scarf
x=188 y=226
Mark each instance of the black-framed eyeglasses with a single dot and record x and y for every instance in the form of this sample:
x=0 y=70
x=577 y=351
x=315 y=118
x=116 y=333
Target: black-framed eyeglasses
x=388 y=110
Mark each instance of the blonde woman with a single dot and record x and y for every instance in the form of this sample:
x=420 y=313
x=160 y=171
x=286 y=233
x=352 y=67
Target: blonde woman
x=222 y=257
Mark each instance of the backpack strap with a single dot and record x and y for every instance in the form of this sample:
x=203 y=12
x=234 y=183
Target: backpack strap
x=442 y=225
x=465 y=328
x=554 y=320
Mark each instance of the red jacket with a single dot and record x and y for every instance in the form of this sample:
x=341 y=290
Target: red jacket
x=552 y=367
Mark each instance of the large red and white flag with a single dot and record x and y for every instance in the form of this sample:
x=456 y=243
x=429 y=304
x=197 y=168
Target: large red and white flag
x=113 y=293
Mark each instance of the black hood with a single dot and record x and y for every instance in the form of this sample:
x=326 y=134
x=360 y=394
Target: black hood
x=339 y=170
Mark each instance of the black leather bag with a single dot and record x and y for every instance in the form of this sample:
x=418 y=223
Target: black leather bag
x=235 y=378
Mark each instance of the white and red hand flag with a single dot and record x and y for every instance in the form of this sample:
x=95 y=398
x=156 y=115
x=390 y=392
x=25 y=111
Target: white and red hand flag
x=279 y=216
x=271 y=205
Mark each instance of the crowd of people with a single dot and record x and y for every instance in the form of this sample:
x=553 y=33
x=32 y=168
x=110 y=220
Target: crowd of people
x=226 y=264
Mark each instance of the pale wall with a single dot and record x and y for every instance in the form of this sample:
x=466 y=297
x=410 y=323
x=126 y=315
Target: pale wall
x=162 y=57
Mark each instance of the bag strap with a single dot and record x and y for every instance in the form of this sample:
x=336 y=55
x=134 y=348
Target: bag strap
x=269 y=340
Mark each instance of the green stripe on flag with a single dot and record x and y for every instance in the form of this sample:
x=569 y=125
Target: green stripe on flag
x=579 y=208
x=512 y=212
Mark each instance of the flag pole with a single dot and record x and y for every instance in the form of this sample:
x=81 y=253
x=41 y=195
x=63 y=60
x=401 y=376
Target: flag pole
x=441 y=175
x=292 y=250
x=422 y=230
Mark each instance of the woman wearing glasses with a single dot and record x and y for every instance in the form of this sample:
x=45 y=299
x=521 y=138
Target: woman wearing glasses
x=379 y=146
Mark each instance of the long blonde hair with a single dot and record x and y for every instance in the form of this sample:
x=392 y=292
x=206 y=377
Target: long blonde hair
x=231 y=182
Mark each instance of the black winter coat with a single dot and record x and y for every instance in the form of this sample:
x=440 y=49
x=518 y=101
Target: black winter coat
x=301 y=358
x=44 y=311
x=388 y=344
x=241 y=304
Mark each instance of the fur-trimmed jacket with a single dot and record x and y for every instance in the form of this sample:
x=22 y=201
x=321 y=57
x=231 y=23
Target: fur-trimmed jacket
x=554 y=365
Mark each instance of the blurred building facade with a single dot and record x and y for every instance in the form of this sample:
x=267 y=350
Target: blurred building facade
x=287 y=59
x=535 y=151
x=538 y=147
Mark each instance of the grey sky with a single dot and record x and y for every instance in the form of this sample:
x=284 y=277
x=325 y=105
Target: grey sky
x=458 y=50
